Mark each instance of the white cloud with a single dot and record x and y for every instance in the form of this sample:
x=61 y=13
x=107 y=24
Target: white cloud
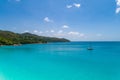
x=40 y=32
x=69 y=6
x=52 y=31
x=76 y=34
x=82 y=35
x=118 y=2
x=46 y=19
x=77 y=5
x=65 y=26
x=26 y=31
x=35 y=31
x=59 y=34
x=60 y=31
x=118 y=6
x=73 y=33
x=117 y=10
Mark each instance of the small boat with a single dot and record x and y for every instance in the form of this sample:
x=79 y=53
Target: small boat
x=90 y=47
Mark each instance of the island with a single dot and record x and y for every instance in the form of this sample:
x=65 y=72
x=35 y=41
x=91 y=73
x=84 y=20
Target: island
x=11 y=38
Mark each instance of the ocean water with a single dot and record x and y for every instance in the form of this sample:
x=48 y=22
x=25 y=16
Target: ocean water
x=61 y=61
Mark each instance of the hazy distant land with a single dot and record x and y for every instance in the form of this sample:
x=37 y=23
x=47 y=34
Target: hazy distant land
x=11 y=38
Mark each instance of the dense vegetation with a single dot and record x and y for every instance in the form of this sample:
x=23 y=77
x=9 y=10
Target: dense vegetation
x=11 y=38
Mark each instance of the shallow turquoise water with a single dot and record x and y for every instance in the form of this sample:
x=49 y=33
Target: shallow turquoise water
x=61 y=61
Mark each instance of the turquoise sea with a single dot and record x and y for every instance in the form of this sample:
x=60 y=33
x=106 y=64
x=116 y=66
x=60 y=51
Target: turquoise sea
x=61 y=61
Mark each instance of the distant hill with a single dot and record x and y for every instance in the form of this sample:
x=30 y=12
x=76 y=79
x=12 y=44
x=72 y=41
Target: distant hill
x=11 y=38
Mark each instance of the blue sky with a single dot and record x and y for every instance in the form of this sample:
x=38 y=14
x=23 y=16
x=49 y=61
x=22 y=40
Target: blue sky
x=77 y=20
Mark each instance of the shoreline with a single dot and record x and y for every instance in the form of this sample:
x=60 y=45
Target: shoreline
x=62 y=42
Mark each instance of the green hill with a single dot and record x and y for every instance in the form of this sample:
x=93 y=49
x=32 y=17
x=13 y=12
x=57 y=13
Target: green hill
x=11 y=38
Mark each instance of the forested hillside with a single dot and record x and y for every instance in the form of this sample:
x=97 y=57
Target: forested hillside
x=11 y=38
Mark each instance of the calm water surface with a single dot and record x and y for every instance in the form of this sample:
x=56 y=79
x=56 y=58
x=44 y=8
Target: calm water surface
x=61 y=61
